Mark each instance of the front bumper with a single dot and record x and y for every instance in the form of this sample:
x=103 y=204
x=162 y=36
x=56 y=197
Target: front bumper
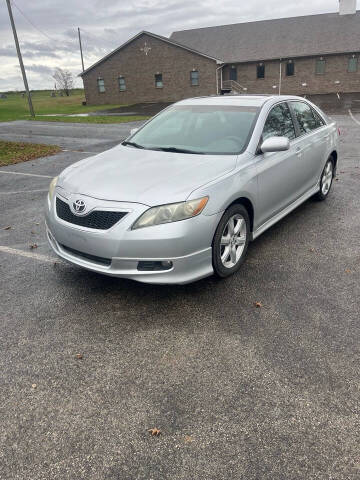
x=187 y=244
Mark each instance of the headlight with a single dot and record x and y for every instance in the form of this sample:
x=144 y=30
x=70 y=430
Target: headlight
x=171 y=213
x=52 y=188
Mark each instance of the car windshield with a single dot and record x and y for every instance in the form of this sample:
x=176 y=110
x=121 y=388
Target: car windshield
x=198 y=129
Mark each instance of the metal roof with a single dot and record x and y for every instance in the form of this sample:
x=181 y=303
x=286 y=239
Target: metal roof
x=312 y=35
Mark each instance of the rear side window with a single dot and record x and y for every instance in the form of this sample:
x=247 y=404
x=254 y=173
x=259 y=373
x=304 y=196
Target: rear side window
x=305 y=116
x=279 y=123
x=318 y=118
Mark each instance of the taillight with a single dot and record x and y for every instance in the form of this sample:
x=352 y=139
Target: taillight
x=339 y=132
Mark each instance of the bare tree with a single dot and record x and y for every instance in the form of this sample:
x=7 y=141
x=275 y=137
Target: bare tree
x=64 y=80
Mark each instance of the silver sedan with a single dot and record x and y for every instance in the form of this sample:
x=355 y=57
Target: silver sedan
x=181 y=198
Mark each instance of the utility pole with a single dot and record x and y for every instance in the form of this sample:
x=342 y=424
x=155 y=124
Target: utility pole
x=82 y=60
x=32 y=113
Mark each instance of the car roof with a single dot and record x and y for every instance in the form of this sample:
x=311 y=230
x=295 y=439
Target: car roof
x=237 y=100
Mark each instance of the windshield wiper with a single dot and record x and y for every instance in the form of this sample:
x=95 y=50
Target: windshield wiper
x=133 y=144
x=176 y=150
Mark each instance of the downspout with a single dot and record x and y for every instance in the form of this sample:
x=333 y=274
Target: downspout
x=217 y=79
x=280 y=79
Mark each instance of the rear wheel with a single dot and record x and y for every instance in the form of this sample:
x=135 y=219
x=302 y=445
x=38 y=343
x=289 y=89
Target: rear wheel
x=231 y=241
x=326 y=180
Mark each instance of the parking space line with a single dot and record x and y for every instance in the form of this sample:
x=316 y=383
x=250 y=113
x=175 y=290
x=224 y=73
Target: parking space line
x=23 y=191
x=26 y=174
x=79 y=151
x=34 y=256
x=353 y=118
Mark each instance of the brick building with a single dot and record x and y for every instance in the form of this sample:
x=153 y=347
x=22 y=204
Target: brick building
x=315 y=54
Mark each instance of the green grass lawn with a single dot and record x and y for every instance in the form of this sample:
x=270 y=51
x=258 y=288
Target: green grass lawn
x=16 y=152
x=15 y=107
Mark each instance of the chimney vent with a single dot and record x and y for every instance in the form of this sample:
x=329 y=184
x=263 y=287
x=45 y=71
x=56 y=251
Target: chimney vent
x=347 y=7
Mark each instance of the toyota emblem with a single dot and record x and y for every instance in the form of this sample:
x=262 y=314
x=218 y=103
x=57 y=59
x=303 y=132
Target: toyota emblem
x=79 y=206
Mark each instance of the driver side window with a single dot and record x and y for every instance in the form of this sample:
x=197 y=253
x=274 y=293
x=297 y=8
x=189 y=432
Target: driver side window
x=279 y=123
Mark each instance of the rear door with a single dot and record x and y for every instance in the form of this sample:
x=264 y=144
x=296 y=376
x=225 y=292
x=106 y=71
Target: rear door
x=313 y=138
x=279 y=182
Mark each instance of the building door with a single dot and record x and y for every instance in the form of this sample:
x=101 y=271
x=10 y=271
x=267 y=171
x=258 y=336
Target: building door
x=233 y=73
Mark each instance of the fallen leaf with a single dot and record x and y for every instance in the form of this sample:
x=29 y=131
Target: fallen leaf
x=33 y=385
x=188 y=439
x=155 y=432
x=258 y=304
x=7 y=228
x=33 y=245
x=79 y=356
x=348 y=270
x=336 y=179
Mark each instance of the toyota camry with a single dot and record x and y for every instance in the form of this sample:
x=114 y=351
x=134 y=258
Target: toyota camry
x=183 y=196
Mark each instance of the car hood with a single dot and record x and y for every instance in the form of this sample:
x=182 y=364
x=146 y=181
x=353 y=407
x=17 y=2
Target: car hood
x=143 y=176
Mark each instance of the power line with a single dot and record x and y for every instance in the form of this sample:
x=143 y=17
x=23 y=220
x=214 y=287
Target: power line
x=31 y=23
x=98 y=39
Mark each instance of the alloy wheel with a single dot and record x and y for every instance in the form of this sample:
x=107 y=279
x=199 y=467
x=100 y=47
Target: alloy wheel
x=327 y=178
x=233 y=240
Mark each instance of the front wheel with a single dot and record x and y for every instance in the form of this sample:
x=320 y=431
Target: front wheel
x=231 y=241
x=326 y=180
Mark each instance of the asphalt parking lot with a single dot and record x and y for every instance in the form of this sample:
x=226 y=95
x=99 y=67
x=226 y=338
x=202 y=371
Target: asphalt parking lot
x=238 y=392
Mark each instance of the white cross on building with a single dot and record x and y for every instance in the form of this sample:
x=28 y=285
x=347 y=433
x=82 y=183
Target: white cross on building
x=146 y=49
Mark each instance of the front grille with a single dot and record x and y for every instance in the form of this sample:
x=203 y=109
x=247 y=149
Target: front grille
x=97 y=219
x=87 y=256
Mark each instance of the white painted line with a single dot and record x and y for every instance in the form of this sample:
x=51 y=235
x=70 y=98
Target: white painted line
x=79 y=151
x=35 y=256
x=27 y=174
x=23 y=191
x=352 y=116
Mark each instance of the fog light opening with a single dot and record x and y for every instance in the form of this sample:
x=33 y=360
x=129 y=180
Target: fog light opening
x=155 y=266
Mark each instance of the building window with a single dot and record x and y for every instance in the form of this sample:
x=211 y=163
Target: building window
x=122 y=84
x=194 y=78
x=233 y=73
x=260 y=70
x=290 y=68
x=352 y=64
x=101 y=85
x=158 y=80
x=320 y=66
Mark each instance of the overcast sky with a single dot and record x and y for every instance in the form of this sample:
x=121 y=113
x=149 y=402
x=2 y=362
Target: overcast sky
x=107 y=24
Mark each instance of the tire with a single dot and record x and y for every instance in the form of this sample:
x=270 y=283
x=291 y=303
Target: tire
x=326 y=180
x=228 y=257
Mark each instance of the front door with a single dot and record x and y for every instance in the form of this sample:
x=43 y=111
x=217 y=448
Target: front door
x=278 y=175
x=233 y=73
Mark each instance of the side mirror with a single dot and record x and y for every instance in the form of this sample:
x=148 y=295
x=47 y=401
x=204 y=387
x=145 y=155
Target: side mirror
x=275 y=144
x=133 y=130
